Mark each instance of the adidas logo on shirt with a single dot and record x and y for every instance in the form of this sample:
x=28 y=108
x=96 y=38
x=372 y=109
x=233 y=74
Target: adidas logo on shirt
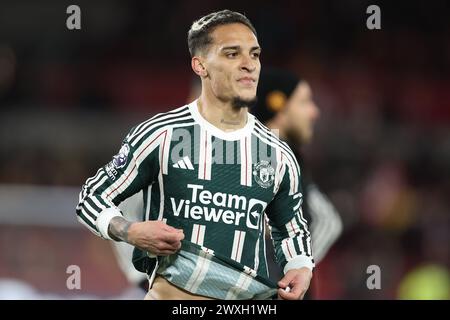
x=184 y=163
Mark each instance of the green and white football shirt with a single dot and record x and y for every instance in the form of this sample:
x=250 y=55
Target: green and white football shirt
x=217 y=186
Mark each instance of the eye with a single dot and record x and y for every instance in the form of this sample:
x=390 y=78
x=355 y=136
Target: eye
x=256 y=54
x=232 y=54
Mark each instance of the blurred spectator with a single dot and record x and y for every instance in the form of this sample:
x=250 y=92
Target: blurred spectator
x=381 y=151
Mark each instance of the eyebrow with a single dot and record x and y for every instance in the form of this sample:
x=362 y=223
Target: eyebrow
x=239 y=47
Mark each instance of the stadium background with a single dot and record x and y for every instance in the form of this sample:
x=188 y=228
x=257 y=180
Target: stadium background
x=381 y=153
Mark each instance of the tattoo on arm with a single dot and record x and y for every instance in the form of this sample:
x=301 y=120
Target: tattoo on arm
x=118 y=229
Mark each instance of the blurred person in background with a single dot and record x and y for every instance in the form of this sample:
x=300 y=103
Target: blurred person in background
x=285 y=104
x=225 y=54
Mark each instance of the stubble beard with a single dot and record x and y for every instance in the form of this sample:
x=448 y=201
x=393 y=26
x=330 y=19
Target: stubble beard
x=238 y=102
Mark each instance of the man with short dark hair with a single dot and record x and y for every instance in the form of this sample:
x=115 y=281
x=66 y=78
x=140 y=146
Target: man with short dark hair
x=209 y=172
x=286 y=104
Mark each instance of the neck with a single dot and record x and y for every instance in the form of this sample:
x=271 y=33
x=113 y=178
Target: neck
x=278 y=129
x=283 y=134
x=222 y=114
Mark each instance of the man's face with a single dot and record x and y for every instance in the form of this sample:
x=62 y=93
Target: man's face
x=301 y=114
x=232 y=63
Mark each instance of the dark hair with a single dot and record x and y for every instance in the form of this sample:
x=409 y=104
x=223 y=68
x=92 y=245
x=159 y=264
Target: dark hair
x=275 y=87
x=199 y=33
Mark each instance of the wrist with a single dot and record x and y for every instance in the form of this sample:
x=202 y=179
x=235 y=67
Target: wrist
x=104 y=219
x=131 y=232
x=119 y=229
x=299 y=262
x=306 y=270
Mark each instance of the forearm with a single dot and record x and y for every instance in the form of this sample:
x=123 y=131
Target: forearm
x=101 y=193
x=154 y=237
x=95 y=210
x=118 y=229
x=292 y=252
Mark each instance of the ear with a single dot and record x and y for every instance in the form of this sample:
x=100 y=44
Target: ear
x=198 y=67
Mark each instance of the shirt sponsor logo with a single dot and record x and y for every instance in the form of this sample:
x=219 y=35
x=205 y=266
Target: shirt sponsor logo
x=219 y=207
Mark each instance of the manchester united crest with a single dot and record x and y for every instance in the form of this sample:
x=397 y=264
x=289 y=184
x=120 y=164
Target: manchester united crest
x=264 y=174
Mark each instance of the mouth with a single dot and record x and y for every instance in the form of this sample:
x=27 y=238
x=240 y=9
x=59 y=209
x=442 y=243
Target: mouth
x=247 y=81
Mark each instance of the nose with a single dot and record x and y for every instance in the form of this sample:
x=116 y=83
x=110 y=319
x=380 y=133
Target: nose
x=248 y=64
x=316 y=111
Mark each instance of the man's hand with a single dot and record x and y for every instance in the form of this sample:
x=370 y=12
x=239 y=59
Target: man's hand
x=298 y=281
x=153 y=236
